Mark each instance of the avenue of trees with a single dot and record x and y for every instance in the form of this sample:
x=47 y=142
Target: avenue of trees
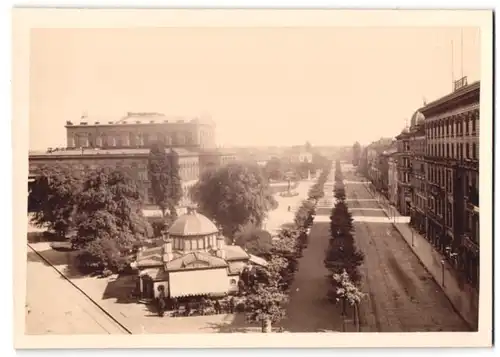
x=342 y=256
x=266 y=291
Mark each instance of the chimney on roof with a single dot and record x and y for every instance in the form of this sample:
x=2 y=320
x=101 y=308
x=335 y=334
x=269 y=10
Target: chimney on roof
x=221 y=252
x=167 y=248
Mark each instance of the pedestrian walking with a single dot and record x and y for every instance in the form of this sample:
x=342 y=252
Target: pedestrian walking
x=161 y=307
x=231 y=305
x=217 y=307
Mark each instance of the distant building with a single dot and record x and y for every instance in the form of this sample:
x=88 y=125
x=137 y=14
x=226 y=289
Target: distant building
x=139 y=130
x=403 y=203
x=125 y=143
x=392 y=178
x=376 y=163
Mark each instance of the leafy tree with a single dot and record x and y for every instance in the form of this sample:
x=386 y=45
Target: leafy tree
x=340 y=192
x=342 y=254
x=163 y=170
x=53 y=198
x=233 y=196
x=341 y=221
x=316 y=192
x=304 y=215
x=174 y=190
x=265 y=299
x=159 y=172
x=109 y=218
x=304 y=167
x=345 y=291
x=275 y=169
x=255 y=240
x=287 y=246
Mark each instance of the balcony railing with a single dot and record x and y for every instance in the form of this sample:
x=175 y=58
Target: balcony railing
x=469 y=244
x=473 y=195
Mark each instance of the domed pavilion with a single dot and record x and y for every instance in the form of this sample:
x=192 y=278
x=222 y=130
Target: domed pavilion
x=193 y=261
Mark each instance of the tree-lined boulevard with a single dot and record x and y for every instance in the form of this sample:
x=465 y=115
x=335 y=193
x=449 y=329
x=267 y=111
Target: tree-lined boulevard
x=338 y=266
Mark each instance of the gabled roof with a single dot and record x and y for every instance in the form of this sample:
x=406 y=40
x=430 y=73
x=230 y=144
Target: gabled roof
x=235 y=252
x=195 y=260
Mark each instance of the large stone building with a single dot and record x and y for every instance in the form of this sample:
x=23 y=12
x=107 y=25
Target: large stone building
x=139 y=130
x=452 y=158
x=418 y=183
x=125 y=143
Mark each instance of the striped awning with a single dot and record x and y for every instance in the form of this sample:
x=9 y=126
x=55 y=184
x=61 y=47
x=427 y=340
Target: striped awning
x=199 y=282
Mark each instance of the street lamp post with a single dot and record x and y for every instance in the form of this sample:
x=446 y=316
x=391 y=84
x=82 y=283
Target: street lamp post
x=412 y=237
x=442 y=272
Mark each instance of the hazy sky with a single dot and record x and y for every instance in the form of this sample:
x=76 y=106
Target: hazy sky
x=261 y=86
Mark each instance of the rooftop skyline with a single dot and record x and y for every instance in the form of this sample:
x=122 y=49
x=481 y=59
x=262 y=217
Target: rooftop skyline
x=305 y=84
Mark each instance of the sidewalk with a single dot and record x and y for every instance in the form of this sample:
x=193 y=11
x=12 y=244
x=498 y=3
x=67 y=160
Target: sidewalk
x=464 y=298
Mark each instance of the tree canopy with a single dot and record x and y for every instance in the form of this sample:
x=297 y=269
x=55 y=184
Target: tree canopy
x=233 y=196
x=163 y=171
x=53 y=197
x=109 y=217
x=254 y=240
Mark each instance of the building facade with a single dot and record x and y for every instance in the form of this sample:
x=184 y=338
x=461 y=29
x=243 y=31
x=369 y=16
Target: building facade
x=452 y=158
x=403 y=203
x=418 y=182
x=125 y=144
x=140 y=130
x=392 y=179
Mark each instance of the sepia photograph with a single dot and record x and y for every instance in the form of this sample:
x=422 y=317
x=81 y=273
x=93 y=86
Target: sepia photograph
x=263 y=174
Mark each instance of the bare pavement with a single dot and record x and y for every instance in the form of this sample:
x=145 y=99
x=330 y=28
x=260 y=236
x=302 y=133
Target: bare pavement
x=48 y=311
x=401 y=294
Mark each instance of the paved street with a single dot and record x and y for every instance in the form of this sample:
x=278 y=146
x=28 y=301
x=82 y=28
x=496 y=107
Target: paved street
x=54 y=306
x=309 y=310
x=401 y=294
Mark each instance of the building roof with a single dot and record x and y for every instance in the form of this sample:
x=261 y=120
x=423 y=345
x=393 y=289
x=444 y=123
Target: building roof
x=150 y=257
x=258 y=260
x=135 y=118
x=417 y=119
x=195 y=260
x=469 y=89
x=192 y=224
x=235 y=252
x=66 y=153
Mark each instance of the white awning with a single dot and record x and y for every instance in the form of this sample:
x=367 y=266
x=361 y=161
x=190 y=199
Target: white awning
x=198 y=282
